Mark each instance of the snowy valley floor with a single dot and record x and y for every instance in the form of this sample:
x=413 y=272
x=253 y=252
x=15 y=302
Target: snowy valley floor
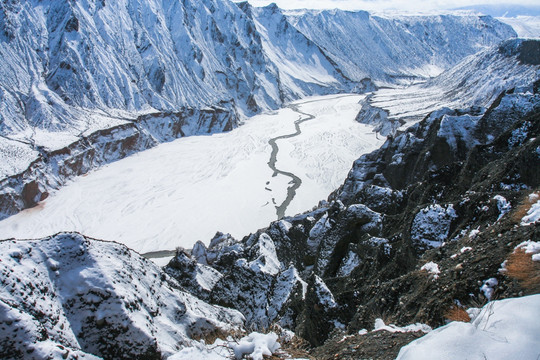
x=186 y=190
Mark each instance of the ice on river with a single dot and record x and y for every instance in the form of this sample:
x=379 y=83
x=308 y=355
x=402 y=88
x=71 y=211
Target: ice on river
x=186 y=190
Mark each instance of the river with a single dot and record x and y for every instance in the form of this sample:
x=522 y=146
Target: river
x=275 y=164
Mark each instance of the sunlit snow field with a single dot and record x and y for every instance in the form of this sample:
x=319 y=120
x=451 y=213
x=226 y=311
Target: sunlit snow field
x=186 y=190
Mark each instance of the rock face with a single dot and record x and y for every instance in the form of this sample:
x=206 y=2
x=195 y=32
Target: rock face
x=443 y=185
x=69 y=296
x=150 y=71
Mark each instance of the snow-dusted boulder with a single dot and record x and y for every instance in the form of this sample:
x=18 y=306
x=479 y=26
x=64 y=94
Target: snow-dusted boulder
x=196 y=278
x=431 y=225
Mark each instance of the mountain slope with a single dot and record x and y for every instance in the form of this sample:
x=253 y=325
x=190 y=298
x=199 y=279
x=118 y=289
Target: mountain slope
x=419 y=224
x=441 y=186
x=68 y=296
x=363 y=45
x=89 y=82
x=475 y=81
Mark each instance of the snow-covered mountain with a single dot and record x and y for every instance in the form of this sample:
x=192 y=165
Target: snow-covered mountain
x=68 y=296
x=525 y=26
x=477 y=80
x=413 y=228
x=419 y=225
x=400 y=48
x=428 y=222
x=88 y=82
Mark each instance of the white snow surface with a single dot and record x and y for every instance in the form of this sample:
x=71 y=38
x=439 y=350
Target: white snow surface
x=380 y=325
x=504 y=329
x=324 y=295
x=533 y=215
x=488 y=287
x=267 y=261
x=524 y=26
x=503 y=205
x=186 y=190
x=254 y=346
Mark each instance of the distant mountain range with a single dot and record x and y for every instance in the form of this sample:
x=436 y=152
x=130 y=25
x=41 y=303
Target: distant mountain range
x=504 y=10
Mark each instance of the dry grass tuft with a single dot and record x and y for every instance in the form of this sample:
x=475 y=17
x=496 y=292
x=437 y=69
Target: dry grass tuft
x=521 y=267
x=524 y=206
x=457 y=313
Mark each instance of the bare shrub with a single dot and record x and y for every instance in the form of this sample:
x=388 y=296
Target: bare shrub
x=457 y=313
x=524 y=206
x=211 y=336
x=521 y=267
x=297 y=347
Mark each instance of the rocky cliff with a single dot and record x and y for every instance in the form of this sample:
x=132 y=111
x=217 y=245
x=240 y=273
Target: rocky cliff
x=418 y=225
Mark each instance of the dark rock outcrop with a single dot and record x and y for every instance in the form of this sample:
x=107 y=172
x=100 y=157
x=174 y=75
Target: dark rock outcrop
x=424 y=196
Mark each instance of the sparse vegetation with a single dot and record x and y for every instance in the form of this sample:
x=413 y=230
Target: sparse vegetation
x=457 y=313
x=210 y=337
x=524 y=206
x=521 y=267
x=294 y=348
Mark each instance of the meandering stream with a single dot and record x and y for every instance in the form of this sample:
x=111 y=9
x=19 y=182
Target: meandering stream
x=295 y=180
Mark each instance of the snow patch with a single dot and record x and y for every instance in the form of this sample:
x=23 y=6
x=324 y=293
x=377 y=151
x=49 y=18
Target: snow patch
x=533 y=215
x=474 y=233
x=350 y=262
x=377 y=241
x=504 y=329
x=380 y=325
x=324 y=295
x=432 y=268
x=318 y=230
x=503 y=205
x=488 y=287
x=254 y=346
x=531 y=247
x=267 y=261
x=458 y=130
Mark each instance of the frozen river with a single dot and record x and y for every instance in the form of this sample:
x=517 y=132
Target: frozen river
x=237 y=182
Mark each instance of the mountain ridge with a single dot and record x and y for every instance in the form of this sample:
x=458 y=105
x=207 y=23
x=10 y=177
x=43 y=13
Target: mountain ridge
x=74 y=69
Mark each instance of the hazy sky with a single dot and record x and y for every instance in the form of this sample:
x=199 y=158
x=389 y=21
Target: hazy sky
x=382 y=5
